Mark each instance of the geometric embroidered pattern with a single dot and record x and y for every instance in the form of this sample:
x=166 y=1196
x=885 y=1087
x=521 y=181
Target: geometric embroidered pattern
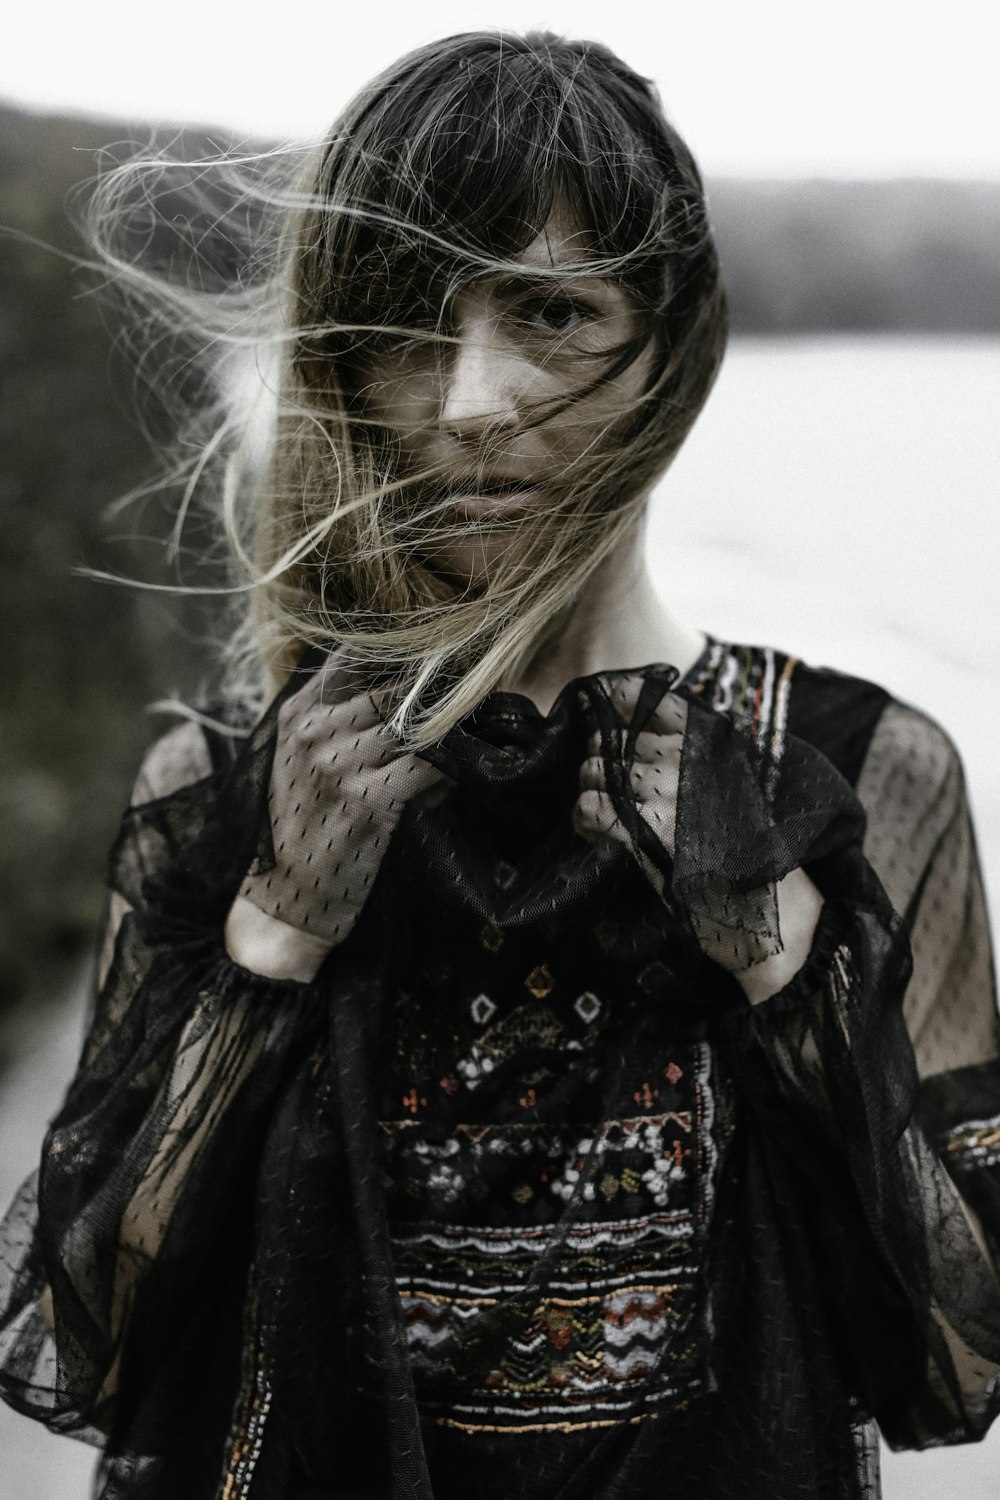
x=481 y=1009
x=587 y=1006
x=621 y=1314
x=974 y=1143
x=746 y=685
x=624 y=1317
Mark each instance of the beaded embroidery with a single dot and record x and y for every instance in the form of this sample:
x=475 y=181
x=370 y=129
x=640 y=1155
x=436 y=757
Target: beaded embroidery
x=246 y=1433
x=626 y=1312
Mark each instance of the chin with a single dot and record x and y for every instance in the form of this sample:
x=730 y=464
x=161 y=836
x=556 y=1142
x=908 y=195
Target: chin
x=469 y=567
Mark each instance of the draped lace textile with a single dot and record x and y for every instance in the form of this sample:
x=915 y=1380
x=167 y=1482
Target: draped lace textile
x=520 y=1195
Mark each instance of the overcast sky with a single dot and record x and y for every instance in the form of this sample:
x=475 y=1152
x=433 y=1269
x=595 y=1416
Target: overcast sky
x=842 y=87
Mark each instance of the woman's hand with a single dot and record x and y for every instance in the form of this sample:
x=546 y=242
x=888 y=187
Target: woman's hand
x=799 y=908
x=654 y=779
x=339 y=783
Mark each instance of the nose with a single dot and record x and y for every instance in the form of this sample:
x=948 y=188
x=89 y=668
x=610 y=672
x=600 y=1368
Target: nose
x=484 y=381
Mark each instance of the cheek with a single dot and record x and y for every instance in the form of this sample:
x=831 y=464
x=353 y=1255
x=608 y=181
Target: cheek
x=404 y=400
x=613 y=410
x=591 y=425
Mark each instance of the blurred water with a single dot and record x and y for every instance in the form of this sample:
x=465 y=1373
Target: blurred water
x=840 y=498
x=837 y=499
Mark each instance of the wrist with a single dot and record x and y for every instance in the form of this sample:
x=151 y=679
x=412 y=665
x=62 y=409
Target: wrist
x=268 y=946
x=799 y=908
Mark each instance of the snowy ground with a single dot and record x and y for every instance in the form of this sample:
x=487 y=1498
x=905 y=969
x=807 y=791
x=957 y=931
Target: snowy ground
x=838 y=499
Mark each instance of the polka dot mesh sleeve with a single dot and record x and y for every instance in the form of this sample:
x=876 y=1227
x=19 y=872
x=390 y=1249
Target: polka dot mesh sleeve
x=905 y=1087
x=919 y=838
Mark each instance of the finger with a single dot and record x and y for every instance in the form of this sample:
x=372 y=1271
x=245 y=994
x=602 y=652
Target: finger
x=624 y=690
x=670 y=715
x=594 y=816
x=592 y=777
x=661 y=817
x=654 y=748
x=655 y=772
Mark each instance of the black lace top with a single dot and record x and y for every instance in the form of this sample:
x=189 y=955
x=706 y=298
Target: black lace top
x=521 y=1196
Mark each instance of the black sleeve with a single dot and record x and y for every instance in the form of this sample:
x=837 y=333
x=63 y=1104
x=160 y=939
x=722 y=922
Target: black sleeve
x=873 y=1078
x=130 y=1243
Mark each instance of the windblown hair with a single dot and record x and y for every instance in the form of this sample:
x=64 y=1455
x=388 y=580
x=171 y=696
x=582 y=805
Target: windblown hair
x=442 y=170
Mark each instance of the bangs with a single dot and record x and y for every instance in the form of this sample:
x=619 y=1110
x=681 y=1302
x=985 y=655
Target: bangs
x=454 y=163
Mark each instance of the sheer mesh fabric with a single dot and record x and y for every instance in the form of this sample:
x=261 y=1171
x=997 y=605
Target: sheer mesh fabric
x=332 y=816
x=520 y=1195
x=920 y=840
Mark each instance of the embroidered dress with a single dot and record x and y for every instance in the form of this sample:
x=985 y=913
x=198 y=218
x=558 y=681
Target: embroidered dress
x=520 y=1196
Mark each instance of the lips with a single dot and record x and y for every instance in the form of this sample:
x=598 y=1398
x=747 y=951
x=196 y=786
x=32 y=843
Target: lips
x=483 y=505
x=479 y=496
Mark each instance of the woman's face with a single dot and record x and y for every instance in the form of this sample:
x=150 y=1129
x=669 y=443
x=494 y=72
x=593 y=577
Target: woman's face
x=480 y=414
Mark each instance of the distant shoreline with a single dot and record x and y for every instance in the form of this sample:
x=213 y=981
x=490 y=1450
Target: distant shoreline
x=800 y=254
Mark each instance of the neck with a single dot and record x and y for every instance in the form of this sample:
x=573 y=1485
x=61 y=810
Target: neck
x=618 y=621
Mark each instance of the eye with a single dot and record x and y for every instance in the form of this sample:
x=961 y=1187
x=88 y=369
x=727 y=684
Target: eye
x=554 y=312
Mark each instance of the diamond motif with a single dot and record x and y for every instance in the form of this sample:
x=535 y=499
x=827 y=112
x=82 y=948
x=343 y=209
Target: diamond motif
x=504 y=874
x=587 y=1006
x=673 y=1072
x=491 y=937
x=482 y=1008
x=539 y=982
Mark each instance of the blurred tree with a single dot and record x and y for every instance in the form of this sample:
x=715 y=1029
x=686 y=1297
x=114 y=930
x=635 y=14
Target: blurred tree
x=80 y=659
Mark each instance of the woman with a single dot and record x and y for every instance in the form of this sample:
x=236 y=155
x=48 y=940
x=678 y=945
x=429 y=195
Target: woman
x=549 y=1051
